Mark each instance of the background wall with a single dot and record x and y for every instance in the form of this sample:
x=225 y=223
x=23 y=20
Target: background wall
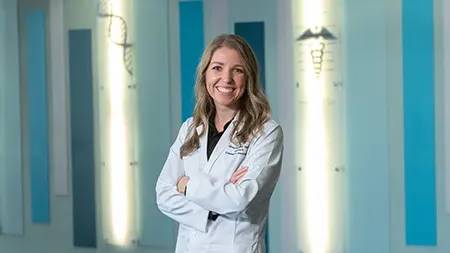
x=373 y=46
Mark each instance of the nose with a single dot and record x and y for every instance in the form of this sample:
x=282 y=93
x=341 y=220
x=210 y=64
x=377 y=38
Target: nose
x=227 y=77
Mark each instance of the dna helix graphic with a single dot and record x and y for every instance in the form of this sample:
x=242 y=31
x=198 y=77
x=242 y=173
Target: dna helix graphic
x=118 y=23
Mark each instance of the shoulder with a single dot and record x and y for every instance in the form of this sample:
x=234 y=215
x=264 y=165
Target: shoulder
x=271 y=129
x=184 y=128
x=187 y=123
x=272 y=125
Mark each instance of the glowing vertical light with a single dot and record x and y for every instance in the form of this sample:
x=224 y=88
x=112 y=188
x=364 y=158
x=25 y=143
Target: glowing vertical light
x=116 y=127
x=314 y=132
x=118 y=142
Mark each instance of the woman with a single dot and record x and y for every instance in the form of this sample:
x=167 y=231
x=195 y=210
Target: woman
x=223 y=167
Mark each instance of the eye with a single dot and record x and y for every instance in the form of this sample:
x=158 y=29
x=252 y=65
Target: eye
x=217 y=68
x=238 y=70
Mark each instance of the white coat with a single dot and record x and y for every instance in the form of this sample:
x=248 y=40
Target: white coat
x=242 y=207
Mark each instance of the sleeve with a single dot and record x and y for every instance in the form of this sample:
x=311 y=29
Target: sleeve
x=172 y=203
x=264 y=167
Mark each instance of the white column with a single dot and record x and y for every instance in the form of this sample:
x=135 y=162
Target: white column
x=446 y=68
x=216 y=21
x=58 y=96
x=319 y=129
x=117 y=113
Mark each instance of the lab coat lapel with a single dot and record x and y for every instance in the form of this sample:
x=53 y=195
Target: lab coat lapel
x=220 y=147
x=203 y=146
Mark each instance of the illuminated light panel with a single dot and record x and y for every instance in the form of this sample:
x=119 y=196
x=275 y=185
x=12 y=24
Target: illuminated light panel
x=313 y=137
x=116 y=107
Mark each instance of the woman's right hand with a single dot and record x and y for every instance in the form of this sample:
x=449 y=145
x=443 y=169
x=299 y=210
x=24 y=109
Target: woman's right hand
x=238 y=174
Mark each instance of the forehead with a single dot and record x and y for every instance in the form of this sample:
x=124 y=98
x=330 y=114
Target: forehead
x=226 y=55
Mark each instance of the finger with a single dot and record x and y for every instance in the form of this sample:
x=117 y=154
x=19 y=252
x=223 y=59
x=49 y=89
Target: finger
x=238 y=177
x=245 y=168
x=240 y=172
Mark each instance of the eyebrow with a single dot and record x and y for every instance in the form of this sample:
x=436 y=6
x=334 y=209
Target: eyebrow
x=221 y=63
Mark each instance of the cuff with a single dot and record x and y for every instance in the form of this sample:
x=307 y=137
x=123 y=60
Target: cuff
x=194 y=185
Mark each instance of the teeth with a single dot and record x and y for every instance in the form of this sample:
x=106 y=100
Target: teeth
x=227 y=90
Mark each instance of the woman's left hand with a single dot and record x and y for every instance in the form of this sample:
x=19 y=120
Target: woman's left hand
x=181 y=185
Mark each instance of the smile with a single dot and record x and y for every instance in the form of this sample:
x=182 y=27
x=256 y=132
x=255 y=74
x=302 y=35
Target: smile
x=225 y=90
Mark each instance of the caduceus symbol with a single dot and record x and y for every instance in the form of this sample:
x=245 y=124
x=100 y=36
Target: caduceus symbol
x=317 y=46
x=117 y=32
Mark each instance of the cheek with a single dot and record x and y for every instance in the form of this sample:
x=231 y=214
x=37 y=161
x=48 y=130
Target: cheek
x=240 y=81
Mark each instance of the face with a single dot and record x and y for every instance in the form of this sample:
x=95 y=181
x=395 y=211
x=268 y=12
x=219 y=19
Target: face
x=225 y=80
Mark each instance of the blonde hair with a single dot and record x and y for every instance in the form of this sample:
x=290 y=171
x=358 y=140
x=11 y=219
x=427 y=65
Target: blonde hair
x=254 y=108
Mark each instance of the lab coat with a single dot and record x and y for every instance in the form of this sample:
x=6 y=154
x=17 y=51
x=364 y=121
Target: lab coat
x=242 y=207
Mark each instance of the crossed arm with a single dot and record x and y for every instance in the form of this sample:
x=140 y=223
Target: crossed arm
x=205 y=194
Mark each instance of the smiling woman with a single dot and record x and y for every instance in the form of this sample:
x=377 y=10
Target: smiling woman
x=225 y=78
x=219 y=196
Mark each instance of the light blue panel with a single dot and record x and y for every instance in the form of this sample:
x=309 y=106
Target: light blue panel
x=191 y=49
x=419 y=127
x=82 y=138
x=154 y=134
x=38 y=116
x=364 y=40
x=11 y=192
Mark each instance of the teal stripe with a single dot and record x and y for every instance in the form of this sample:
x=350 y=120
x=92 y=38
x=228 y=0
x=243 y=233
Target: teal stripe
x=38 y=118
x=419 y=133
x=82 y=138
x=11 y=191
x=191 y=49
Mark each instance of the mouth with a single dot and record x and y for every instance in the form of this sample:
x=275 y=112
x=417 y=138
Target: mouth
x=225 y=90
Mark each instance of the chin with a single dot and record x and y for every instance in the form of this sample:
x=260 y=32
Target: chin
x=225 y=103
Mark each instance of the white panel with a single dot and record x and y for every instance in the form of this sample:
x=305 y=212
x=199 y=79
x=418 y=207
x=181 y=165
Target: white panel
x=446 y=17
x=215 y=18
x=59 y=133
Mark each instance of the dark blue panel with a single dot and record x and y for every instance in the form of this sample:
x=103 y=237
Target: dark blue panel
x=191 y=43
x=253 y=32
x=419 y=133
x=38 y=117
x=82 y=138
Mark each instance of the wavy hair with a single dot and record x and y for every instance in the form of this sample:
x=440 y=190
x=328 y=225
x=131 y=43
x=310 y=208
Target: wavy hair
x=254 y=109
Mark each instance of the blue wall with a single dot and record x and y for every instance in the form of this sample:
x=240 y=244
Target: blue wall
x=419 y=123
x=38 y=115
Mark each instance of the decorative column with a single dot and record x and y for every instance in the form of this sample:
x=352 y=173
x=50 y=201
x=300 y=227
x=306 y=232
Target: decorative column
x=117 y=111
x=319 y=127
x=11 y=191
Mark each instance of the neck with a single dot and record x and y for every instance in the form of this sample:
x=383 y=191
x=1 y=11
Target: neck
x=223 y=115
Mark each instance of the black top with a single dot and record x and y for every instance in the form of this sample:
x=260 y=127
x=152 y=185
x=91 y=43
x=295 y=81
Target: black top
x=213 y=139
x=214 y=136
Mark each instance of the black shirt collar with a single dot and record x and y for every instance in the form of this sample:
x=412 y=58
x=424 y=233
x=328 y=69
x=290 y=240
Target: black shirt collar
x=212 y=127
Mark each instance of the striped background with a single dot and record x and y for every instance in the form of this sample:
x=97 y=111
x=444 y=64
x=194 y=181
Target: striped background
x=53 y=113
